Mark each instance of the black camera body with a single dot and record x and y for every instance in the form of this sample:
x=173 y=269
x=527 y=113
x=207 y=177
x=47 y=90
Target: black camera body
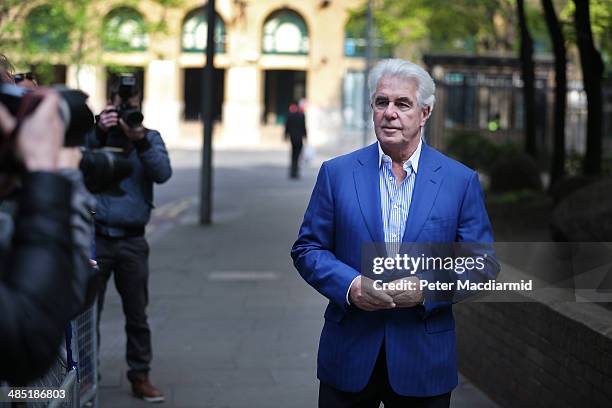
x=102 y=170
x=130 y=115
x=75 y=113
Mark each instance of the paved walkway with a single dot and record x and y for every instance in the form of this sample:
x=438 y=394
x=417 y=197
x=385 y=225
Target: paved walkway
x=233 y=323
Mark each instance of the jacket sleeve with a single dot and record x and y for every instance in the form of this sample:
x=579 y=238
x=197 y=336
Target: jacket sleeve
x=154 y=156
x=313 y=254
x=83 y=277
x=35 y=287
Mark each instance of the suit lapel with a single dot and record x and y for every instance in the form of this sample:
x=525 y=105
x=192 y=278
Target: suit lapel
x=367 y=185
x=426 y=187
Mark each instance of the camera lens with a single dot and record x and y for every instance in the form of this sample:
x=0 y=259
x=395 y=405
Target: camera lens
x=132 y=117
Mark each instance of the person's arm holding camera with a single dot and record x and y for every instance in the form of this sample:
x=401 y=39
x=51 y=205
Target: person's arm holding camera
x=36 y=276
x=108 y=118
x=83 y=205
x=151 y=150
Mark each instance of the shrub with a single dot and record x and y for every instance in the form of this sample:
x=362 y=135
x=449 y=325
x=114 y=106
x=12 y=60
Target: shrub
x=473 y=150
x=569 y=184
x=515 y=171
x=585 y=214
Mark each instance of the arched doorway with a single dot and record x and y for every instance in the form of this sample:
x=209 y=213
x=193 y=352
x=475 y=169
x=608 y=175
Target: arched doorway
x=193 y=40
x=285 y=34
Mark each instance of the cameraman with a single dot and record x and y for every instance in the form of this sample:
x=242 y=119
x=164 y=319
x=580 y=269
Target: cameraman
x=120 y=227
x=37 y=260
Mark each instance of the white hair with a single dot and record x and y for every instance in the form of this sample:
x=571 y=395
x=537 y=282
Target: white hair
x=399 y=68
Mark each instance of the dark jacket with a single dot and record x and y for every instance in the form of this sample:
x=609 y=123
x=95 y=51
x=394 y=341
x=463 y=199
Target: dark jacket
x=118 y=215
x=36 y=272
x=295 y=127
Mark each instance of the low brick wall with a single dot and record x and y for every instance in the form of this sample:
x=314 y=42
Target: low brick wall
x=537 y=355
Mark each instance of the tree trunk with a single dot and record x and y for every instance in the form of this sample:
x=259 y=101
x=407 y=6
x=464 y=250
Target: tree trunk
x=592 y=72
x=557 y=169
x=528 y=75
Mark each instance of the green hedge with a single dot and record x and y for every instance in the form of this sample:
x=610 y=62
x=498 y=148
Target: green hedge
x=508 y=167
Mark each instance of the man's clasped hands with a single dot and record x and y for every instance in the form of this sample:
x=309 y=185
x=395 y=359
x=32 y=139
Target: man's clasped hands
x=366 y=295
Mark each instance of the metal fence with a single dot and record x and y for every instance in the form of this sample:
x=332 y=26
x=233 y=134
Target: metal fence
x=88 y=356
x=76 y=367
x=62 y=375
x=492 y=105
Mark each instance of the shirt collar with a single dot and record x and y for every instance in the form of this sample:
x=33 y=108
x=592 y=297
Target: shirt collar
x=412 y=160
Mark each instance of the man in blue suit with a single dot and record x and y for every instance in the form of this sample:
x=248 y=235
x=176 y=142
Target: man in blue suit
x=396 y=347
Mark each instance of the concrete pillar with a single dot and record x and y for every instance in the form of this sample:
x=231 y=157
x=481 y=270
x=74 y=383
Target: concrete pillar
x=324 y=78
x=242 y=107
x=161 y=108
x=91 y=80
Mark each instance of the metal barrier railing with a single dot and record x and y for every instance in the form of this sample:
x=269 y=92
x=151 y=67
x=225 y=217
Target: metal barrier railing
x=88 y=356
x=76 y=368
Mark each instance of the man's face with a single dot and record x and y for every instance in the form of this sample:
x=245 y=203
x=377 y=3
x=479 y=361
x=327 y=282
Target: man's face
x=397 y=116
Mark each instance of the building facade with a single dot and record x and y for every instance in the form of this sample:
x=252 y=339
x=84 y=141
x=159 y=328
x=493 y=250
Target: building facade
x=268 y=53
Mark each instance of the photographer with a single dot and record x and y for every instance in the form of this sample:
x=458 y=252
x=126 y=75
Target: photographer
x=120 y=223
x=37 y=258
x=71 y=161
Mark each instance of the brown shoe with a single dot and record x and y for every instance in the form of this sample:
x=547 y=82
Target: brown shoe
x=142 y=388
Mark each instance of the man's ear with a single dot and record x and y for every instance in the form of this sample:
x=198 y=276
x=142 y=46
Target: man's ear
x=426 y=115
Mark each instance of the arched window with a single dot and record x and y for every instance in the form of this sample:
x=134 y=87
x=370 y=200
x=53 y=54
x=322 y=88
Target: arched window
x=355 y=39
x=125 y=30
x=47 y=29
x=285 y=32
x=195 y=29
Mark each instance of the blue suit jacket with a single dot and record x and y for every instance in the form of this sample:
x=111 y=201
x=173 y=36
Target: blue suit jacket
x=344 y=211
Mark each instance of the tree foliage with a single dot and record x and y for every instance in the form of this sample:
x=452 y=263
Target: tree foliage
x=477 y=26
x=70 y=30
x=442 y=25
x=600 y=12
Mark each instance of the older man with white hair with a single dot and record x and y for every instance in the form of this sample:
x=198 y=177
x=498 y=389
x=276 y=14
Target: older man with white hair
x=395 y=347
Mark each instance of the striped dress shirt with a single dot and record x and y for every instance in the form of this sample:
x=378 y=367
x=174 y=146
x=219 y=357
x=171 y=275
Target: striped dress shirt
x=395 y=199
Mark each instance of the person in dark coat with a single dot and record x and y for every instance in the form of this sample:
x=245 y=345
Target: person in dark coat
x=120 y=221
x=36 y=247
x=295 y=130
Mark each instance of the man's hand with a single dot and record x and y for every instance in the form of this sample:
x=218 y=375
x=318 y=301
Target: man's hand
x=408 y=297
x=7 y=121
x=108 y=118
x=40 y=136
x=132 y=133
x=364 y=296
x=69 y=158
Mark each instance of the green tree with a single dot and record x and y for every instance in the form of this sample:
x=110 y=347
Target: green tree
x=476 y=26
x=528 y=76
x=557 y=169
x=600 y=16
x=473 y=26
x=70 y=30
x=592 y=73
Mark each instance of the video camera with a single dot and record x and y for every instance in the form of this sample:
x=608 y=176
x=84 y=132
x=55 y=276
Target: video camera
x=102 y=170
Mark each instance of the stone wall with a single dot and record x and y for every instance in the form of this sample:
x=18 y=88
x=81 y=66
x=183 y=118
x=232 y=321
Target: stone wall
x=537 y=355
